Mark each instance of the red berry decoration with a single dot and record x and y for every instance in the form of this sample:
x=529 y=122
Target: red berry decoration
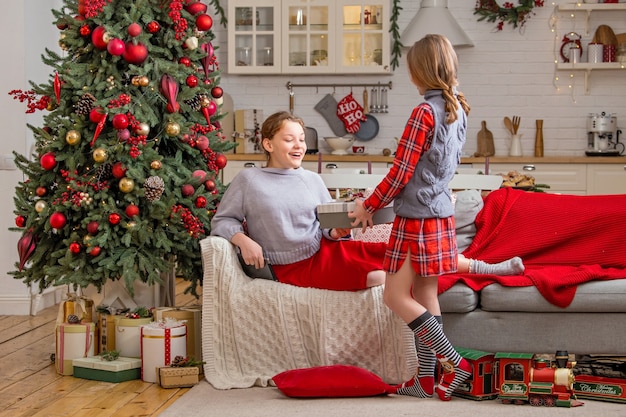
x=153 y=27
x=114 y=218
x=20 y=221
x=184 y=61
x=221 y=160
x=204 y=22
x=95 y=251
x=201 y=201
x=217 y=92
x=192 y=81
x=132 y=210
x=120 y=121
x=134 y=29
x=75 y=248
x=84 y=30
x=135 y=53
x=58 y=220
x=99 y=37
x=210 y=185
x=196 y=8
x=48 y=161
x=92 y=227
x=118 y=170
x=116 y=47
x=187 y=190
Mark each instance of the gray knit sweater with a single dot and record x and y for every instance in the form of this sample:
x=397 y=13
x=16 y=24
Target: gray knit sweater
x=279 y=207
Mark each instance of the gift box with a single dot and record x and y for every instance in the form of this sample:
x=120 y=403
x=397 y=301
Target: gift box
x=169 y=377
x=73 y=341
x=335 y=215
x=128 y=335
x=75 y=305
x=160 y=343
x=192 y=316
x=106 y=332
x=98 y=369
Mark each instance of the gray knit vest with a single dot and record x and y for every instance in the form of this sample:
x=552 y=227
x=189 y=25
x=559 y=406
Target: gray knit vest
x=426 y=195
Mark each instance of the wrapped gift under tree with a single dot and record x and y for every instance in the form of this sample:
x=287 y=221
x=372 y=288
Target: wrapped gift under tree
x=192 y=316
x=128 y=332
x=108 y=367
x=161 y=341
x=73 y=341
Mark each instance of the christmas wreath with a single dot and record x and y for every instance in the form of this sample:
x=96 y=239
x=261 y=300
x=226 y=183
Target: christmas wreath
x=491 y=11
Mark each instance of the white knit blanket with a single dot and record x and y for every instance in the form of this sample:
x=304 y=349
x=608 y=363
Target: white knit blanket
x=253 y=329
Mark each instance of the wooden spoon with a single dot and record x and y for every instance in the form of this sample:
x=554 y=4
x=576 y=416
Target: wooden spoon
x=508 y=124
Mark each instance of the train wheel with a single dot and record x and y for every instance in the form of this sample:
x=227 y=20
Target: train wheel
x=549 y=401
x=535 y=401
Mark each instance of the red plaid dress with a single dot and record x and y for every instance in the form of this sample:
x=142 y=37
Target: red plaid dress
x=432 y=241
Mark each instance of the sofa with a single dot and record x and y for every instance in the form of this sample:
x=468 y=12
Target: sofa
x=571 y=297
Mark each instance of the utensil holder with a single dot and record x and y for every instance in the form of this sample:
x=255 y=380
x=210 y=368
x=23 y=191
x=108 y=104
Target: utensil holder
x=516 y=145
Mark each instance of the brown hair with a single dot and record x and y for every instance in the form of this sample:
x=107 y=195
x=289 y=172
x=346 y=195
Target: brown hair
x=275 y=122
x=433 y=64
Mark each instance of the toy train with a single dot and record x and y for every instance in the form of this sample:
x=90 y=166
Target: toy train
x=520 y=378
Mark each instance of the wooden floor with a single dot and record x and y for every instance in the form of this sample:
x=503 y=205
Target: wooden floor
x=30 y=385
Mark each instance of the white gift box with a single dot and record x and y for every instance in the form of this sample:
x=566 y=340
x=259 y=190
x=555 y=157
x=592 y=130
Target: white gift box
x=160 y=344
x=192 y=316
x=335 y=214
x=73 y=341
x=128 y=336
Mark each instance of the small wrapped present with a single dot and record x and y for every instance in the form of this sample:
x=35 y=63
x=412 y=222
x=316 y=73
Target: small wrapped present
x=178 y=377
x=73 y=341
x=161 y=341
x=128 y=335
x=78 y=306
x=106 y=332
x=98 y=369
x=192 y=316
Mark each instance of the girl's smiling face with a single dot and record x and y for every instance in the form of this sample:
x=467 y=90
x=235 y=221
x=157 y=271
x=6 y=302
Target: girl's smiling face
x=287 y=147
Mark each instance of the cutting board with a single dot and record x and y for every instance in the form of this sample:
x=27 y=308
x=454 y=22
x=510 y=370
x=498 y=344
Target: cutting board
x=327 y=107
x=485 y=142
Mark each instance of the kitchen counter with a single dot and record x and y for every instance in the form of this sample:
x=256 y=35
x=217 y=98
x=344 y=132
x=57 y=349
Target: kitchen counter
x=467 y=160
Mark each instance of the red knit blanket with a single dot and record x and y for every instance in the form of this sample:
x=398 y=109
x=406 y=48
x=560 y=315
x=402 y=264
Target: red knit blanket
x=563 y=240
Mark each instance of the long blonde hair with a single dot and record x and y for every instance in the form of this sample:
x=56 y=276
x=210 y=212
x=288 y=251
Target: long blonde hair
x=433 y=63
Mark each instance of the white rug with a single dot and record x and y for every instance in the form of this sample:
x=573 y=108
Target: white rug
x=205 y=401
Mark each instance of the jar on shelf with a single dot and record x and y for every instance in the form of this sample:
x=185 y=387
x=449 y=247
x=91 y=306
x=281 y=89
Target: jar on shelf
x=243 y=56
x=268 y=56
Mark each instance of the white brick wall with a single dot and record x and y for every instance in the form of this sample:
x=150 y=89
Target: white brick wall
x=506 y=73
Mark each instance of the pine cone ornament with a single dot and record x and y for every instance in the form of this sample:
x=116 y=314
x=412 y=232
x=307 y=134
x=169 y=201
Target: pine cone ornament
x=84 y=104
x=73 y=319
x=104 y=172
x=196 y=102
x=178 y=361
x=153 y=187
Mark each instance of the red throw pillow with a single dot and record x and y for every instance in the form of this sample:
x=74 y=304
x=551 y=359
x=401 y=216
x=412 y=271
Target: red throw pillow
x=331 y=381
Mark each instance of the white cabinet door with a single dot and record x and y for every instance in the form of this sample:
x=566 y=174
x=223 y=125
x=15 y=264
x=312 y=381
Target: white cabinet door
x=562 y=178
x=606 y=179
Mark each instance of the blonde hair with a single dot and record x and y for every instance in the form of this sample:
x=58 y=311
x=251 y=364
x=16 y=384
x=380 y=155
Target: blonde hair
x=433 y=64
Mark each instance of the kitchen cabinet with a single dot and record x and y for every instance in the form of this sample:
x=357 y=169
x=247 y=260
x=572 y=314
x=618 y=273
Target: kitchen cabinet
x=588 y=9
x=562 y=178
x=308 y=37
x=606 y=179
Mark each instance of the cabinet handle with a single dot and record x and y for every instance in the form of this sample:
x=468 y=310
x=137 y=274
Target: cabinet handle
x=528 y=168
x=331 y=166
x=249 y=165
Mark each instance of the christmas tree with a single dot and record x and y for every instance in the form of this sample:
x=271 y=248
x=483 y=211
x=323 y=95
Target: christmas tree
x=125 y=177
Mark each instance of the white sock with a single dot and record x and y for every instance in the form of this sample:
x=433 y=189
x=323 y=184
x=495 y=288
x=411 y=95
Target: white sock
x=513 y=266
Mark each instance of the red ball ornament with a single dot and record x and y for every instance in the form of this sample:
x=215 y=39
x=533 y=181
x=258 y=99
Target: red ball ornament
x=184 y=61
x=204 y=22
x=75 y=248
x=217 y=92
x=210 y=185
x=221 y=160
x=123 y=135
x=132 y=210
x=41 y=191
x=192 y=81
x=116 y=47
x=202 y=143
x=196 y=8
x=187 y=190
x=99 y=38
x=135 y=53
x=92 y=227
x=114 y=218
x=212 y=108
x=20 y=221
x=200 y=174
x=153 y=27
x=200 y=201
x=134 y=29
x=118 y=170
x=62 y=25
x=58 y=220
x=120 y=121
x=96 y=114
x=84 y=30
x=48 y=161
x=95 y=251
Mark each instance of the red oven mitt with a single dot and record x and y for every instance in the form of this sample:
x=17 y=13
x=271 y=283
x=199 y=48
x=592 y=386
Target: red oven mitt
x=351 y=113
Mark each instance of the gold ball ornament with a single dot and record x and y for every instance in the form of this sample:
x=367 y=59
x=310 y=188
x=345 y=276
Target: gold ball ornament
x=126 y=185
x=156 y=164
x=172 y=129
x=40 y=206
x=144 y=81
x=135 y=81
x=143 y=129
x=72 y=137
x=100 y=155
x=51 y=105
x=205 y=101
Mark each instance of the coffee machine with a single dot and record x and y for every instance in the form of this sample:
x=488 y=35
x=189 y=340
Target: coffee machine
x=603 y=135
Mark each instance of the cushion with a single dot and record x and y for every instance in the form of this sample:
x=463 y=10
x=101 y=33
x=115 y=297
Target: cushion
x=331 y=381
x=468 y=204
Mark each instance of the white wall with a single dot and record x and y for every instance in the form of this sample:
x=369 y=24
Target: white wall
x=506 y=73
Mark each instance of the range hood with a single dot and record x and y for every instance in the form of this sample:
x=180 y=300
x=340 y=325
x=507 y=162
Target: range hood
x=434 y=17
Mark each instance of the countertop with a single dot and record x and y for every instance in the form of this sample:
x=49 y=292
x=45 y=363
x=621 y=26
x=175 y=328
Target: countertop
x=467 y=160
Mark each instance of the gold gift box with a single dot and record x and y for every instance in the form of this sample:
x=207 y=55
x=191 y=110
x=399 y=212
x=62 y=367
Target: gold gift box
x=178 y=377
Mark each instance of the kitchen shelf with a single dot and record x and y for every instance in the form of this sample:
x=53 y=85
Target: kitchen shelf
x=588 y=67
x=589 y=7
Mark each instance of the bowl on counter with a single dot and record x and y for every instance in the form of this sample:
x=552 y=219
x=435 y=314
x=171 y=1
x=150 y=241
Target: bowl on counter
x=339 y=144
